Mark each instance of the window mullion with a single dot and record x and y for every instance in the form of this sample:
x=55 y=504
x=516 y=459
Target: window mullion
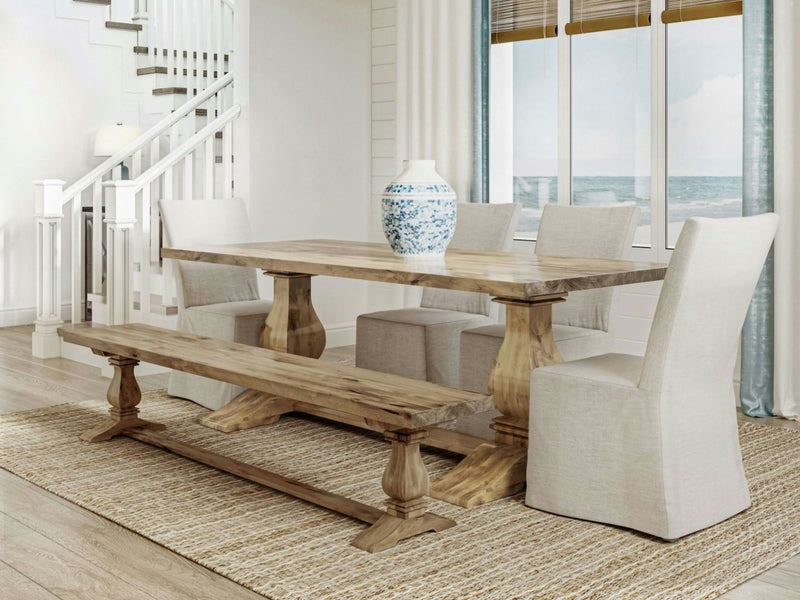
x=564 y=105
x=658 y=133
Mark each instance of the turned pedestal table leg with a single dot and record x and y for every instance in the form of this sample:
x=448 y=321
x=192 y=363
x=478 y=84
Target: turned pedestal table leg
x=406 y=482
x=496 y=470
x=292 y=326
x=123 y=395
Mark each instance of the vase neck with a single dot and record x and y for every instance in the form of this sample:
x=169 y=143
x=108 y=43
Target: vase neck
x=419 y=170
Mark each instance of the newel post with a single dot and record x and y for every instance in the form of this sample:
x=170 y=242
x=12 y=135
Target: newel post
x=140 y=17
x=45 y=340
x=120 y=197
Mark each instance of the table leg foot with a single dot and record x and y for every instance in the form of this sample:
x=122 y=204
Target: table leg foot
x=111 y=427
x=249 y=409
x=487 y=473
x=406 y=482
x=387 y=531
x=123 y=395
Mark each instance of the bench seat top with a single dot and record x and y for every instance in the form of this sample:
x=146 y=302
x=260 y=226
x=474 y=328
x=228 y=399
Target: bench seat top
x=390 y=399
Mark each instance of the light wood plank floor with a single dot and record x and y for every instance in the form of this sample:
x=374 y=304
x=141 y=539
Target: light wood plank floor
x=60 y=550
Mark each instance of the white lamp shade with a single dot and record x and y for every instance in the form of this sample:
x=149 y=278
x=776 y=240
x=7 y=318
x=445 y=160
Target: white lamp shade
x=112 y=138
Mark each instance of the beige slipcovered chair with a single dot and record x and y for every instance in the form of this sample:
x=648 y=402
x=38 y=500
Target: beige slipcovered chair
x=217 y=301
x=422 y=342
x=580 y=325
x=652 y=443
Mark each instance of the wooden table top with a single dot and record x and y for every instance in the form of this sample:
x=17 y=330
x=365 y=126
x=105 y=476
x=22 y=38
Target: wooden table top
x=502 y=274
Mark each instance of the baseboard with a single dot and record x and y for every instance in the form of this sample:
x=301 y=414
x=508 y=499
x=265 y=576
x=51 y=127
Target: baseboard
x=343 y=334
x=11 y=317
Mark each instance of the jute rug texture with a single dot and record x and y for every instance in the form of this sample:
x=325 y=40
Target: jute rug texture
x=287 y=549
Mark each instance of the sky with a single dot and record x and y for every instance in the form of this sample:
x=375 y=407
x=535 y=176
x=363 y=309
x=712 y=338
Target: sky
x=611 y=101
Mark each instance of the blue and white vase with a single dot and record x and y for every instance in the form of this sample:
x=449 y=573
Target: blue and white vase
x=419 y=211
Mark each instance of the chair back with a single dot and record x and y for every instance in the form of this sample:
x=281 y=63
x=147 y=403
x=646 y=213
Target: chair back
x=488 y=227
x=714 y=269
x=586 y=231
x=189 y=223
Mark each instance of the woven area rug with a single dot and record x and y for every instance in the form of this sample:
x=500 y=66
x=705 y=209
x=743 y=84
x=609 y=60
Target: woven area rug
x=287 y=549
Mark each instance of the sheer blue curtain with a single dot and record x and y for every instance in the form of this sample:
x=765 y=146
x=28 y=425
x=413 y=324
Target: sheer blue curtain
x=480 y=95
x=758 y=197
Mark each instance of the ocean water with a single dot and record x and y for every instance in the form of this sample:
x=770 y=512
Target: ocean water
x=687 y=196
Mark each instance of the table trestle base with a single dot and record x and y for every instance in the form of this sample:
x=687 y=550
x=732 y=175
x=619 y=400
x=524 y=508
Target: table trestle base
x=249 y=409
x=489 y=472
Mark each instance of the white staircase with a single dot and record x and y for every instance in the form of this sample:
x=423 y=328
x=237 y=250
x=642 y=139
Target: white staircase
x=182 y=51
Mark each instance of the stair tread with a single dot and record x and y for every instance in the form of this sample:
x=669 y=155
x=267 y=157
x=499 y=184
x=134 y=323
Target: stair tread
x=164 y=52
x=169 y=90
x=151 y=70
x=125 y=26
x=161 y=70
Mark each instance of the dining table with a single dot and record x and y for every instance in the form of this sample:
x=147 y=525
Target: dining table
x=526 y=284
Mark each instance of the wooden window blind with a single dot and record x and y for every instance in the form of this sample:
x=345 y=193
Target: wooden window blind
x=691 y=10
x=518 y=20
x=602 y=15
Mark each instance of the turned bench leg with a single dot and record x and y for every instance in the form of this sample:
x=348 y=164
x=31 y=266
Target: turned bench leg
x=406 y=482
x=123 y=395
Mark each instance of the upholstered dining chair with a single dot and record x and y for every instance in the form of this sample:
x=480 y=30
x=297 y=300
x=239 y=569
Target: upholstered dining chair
x=422 y=342
x=217 y=301
x=652 y=443
x=580 y=325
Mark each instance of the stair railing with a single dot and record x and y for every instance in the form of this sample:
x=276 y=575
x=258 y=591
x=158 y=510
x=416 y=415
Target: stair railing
x=133 y=216
x=142 y=155
x=190 y=40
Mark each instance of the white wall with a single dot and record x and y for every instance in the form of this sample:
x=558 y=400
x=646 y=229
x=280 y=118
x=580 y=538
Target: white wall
x=305 y=133
x=57 y=89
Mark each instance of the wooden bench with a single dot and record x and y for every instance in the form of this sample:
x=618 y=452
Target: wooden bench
x=404 y=408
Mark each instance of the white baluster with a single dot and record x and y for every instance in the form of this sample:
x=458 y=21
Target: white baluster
x=97 y=236
x=169 y=184
x=140 y=16
x=218 y=25
x=155 y=256
x=208 y=168
x=120 y=219
x=45 y=340
x=77 y=266
x=188 y=177
x=196 y=55
x=227 y=161
x=144 y=268
x=169 y=40
x=136 y=164
x=167 y=277
x=157 y=26
x=180 y=42
x=210 y=41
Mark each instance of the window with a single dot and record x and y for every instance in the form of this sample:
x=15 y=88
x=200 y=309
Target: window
x=611 y=121
x=535 y=131
x=523 y=146
x=633 y=102
x=704 y=121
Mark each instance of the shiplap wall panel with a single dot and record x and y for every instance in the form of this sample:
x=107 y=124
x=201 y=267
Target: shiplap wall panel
x=384 y=106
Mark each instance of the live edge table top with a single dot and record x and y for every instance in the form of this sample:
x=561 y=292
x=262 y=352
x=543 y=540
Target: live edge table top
x=502 y=274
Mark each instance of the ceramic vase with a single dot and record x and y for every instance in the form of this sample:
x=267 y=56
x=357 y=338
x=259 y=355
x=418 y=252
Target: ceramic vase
x=419 y=211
